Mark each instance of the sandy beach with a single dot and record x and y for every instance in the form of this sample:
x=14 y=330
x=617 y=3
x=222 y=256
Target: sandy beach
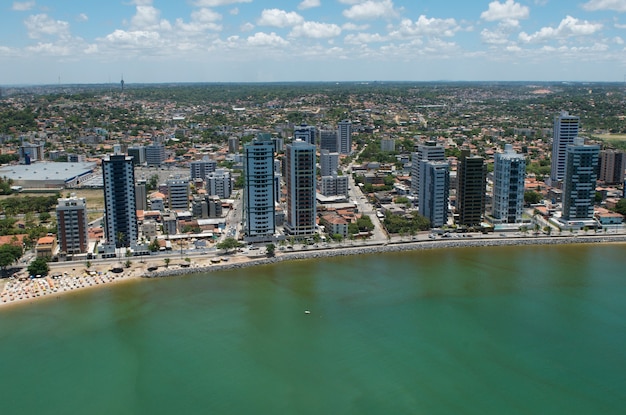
x=74 y=276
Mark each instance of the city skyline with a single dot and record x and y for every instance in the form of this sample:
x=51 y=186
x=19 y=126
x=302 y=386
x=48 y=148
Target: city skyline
x=46 y=42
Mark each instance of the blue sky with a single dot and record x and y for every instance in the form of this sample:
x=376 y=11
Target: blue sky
x=311 y=40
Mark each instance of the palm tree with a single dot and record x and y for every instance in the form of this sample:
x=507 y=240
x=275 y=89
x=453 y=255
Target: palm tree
x=167 y=262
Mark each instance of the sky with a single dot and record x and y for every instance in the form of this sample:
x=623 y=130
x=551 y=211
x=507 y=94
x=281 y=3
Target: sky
x=146 y=41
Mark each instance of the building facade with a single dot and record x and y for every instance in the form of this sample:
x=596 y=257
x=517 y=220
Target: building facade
x=300 y=169
x=119 y=201
x=612 y=166
x=200 y=169
x=565 y=130
x=155 y=154
x=436 y=192
x=138 y=154
x=72 y=225
x=178 y=192
x=508 y=185
x=470 y=199
x=328 y=141
x=306 y=133
x=219 y=183
x=334 y=185
x=259 y=196
x=329 y=163
x=429 y=151
x=344 y=137
x=579 y=184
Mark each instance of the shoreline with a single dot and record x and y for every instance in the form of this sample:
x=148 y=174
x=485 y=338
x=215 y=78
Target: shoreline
x=17 y=293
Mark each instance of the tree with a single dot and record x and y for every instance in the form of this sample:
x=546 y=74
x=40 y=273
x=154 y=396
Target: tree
x=620 y=207
x=531 y=197
x=9 y=253
x=271 y=250
x=228 y=244
x=39 y=266
x=167 y=262
x=44 y=217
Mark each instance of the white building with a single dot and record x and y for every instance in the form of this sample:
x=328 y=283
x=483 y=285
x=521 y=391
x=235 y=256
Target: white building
x=344 y=137
x=300 y=181
x=429 y=151
x=119 y=201
x=200 y=169
x=178 y=194
x=435 y=192
x=219 y=183
x=259 y=201
x=155 y=154
x=565 y=130
x=508 y=185
x=579 y=184
x=72 y=225
x=306 y=133
x=329 y=162
x=334 y=185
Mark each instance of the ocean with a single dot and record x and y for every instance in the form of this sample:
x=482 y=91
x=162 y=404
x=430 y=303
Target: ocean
x=498 y=330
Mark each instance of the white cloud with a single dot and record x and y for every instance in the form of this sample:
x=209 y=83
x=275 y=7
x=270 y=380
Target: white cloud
x=569 y=26
x=364 y=38
x=39 y=25
x=82 y=17
x=425 y=26
x=316 y=30
x=620 y=26
x=279 y=18
x=246 y=27
x=509 y=11
x=354 y=27
x=216 y=3
x=494 y=37
x=147 y=17
x=371 y=10
x=614 y=5
x=234 y=12
x=309 y=4
x=264 y=39
x=618 y=40
x=22 y=6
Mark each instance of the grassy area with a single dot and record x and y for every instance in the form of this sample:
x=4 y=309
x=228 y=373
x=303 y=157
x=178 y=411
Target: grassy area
x=611 y=137
x=94 y=198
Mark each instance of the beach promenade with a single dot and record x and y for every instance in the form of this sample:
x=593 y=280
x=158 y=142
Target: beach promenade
x=72 y=276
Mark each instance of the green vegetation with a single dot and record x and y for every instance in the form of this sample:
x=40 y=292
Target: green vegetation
x=9 y=254
x=229 y=244
x=620 y=207
x=39 y=266
x=408 y=224
x=531 y=197
x=362 y=224
x=271 y=250
x=28 y=204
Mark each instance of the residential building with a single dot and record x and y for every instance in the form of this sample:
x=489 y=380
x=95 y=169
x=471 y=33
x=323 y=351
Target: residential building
x=429 y=151
x=141 y=195
x=470 y=199
x=612 y=166
x=200 y=169
x=30 y=153
x=508 y=185
x=138 y=154
x=435 y=192
x=233 y=145
x=329 y=163
x=178 y=192
x=565 y=130
x=119 y=200
x=72 y=226
x=46 y=247
x=219 y=183
x=328 y=141
x=300 y=182
x=259 y=196
x=344 y=137
x=206 y=206
x=388 y=144
x=334 y=185
x=305 y=133
x=155 y=154
x=579 y=184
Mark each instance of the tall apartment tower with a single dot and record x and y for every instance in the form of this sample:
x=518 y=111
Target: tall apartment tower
x=141 y=195
x=470 y=198
x=565 y=130
x=579 y=184
x=429 y=151
x=329 y=163
x=344 y=137
x=300 y=183
x=155 y=154
x=178 y=192
x=259 y=198
x=612 y=166
x=119 y=200
x=72 y=225
x=328 y=141
x=219 y=183
x=199 y=169
x=508 y=187
x=233 y=145
x=305 y=133
x=435 y=192
x=138 y=154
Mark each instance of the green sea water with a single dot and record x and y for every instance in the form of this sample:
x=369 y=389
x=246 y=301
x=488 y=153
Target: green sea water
x=507 y=330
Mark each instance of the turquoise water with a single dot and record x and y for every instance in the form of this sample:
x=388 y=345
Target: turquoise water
x=509 y=330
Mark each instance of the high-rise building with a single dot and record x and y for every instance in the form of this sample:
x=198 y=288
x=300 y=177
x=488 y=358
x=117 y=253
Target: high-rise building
x=344 y=137
x=119 y=200
x=259 y=197
x=429 y=151
x=328 y=141
x=470 y=199
x=178 y=194
x=334 y=185
x=565 y=130
x=155 y=154
x=435 y=192
x=219 y=183
x=388 y=144
x=233 y=145
x=305 y=133
x=30 y=153
x=300 y=183
x=579 y=184
x=329 y=163
x=612 y=166
x=138 y=154
x=72 y=225
x=141 y=195
x=508 y=185
x=199 y=169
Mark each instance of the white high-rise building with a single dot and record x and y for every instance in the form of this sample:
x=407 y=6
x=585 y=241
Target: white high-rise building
x=565 y=130
x=119 y=201
x=155 y=154
x=429 y=151
x=178 y=192
x=199 y=169
x=300 y=182
x=344 y=137
x=334 y=185
x=219 y=183
x=436 y=190
x=306 y=133
x=329 y=163
x=579 y=183
x=259 y=197
x=508 y=185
